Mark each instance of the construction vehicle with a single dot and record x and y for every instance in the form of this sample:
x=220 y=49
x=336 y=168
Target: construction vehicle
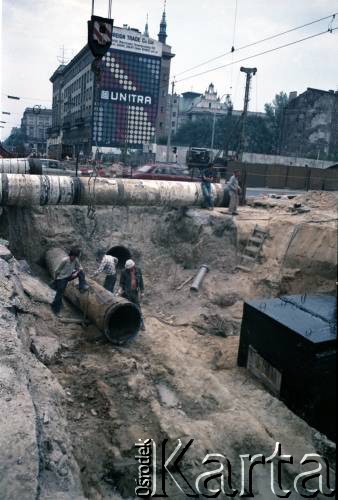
x=198 y=158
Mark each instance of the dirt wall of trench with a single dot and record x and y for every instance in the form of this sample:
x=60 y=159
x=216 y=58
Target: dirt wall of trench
x=175 y=381
x=187 y=238
x=299 y=255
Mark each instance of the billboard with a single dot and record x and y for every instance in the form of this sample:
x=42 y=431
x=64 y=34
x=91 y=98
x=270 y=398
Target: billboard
x=127 y=93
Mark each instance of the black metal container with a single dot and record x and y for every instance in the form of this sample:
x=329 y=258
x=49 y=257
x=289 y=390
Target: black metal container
x=289 y=343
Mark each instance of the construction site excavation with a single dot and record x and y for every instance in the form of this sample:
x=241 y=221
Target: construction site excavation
x=229 y=350
x=168 y=250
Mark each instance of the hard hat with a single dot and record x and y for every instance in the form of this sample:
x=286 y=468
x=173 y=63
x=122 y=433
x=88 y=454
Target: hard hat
x=129 y=264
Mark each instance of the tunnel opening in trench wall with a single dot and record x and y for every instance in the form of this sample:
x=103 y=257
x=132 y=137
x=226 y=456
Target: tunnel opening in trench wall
x=122 y=323
x=121 y=253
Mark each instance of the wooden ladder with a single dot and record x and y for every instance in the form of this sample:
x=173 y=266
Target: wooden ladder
x=253 y=249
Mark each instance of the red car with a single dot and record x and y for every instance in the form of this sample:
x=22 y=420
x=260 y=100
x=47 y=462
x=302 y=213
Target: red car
x=164 y=173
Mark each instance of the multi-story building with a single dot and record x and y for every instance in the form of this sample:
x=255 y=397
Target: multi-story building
x=122 y=106
x=310 y=125
x=192 y=106
x=34 y=125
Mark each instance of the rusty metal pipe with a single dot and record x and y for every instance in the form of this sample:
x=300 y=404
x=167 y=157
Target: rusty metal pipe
x=119 y=319
x=34 y=190
x=199 y=278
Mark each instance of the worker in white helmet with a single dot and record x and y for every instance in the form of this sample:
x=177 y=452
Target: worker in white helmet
x=131 y=285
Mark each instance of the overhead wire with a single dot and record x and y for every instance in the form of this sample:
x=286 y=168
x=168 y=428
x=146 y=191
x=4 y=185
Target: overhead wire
x=233 y=42
x=268 y=51
x=271 y=37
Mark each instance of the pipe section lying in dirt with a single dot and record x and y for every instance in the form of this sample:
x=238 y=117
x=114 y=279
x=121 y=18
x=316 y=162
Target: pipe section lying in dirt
x=32 y=190
x=199 y=278
x=19 y=166
x=119 y=319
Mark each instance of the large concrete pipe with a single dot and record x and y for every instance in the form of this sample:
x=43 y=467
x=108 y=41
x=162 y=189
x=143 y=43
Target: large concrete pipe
x=14 y=166
x=119 y=319
x=20 y=166
x=31 y=190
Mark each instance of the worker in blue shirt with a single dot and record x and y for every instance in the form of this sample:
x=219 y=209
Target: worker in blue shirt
x=208 y=175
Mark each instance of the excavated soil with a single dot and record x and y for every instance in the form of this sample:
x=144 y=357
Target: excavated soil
x=91 y=401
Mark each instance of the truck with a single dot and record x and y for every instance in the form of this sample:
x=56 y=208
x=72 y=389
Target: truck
x=199 y=158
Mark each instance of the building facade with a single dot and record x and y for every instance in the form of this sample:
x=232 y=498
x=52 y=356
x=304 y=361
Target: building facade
x=121 y=106
x=192 y=106
x=310 y=125
x=34 y=126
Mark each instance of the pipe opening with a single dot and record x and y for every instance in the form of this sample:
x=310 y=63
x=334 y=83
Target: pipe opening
x=121 y=253
x=123 y=323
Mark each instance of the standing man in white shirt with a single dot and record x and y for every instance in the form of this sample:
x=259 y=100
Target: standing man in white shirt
x=108 y=267
x=234 y=191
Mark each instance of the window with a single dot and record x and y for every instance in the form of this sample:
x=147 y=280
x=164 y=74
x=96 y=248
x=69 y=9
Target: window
x=174 y=113
x=173 y=124
x=161 y=125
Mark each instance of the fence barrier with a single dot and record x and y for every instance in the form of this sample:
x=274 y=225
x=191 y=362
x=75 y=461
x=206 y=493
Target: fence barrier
x=286 y=177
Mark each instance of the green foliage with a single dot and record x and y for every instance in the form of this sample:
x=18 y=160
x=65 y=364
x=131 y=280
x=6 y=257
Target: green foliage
x=262 y=132
x=162 y=140
x=274 y=113
x=195 y=133
x=259 y=137
x=198 y=134
x=17 y=141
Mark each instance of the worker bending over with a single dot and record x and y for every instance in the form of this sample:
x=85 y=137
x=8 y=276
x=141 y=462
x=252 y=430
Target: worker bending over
x=68 y=270
x=108 y=267
x=131 y=285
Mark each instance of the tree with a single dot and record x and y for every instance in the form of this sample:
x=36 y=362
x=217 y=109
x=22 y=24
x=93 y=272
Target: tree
x=195 y=133
x=263 y=133
x=227 y=129
x=16 y=141
x=259 y=135
x=274 y=112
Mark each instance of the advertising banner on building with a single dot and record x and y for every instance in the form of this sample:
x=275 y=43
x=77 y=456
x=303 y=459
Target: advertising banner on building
x=133 y=41
x=127 y=95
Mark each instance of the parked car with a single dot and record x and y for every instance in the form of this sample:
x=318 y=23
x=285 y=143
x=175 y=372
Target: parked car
x=164 y=173
x=87 y=171
x=114 y=170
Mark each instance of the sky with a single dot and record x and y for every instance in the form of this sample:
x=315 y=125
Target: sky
x=33 y=32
